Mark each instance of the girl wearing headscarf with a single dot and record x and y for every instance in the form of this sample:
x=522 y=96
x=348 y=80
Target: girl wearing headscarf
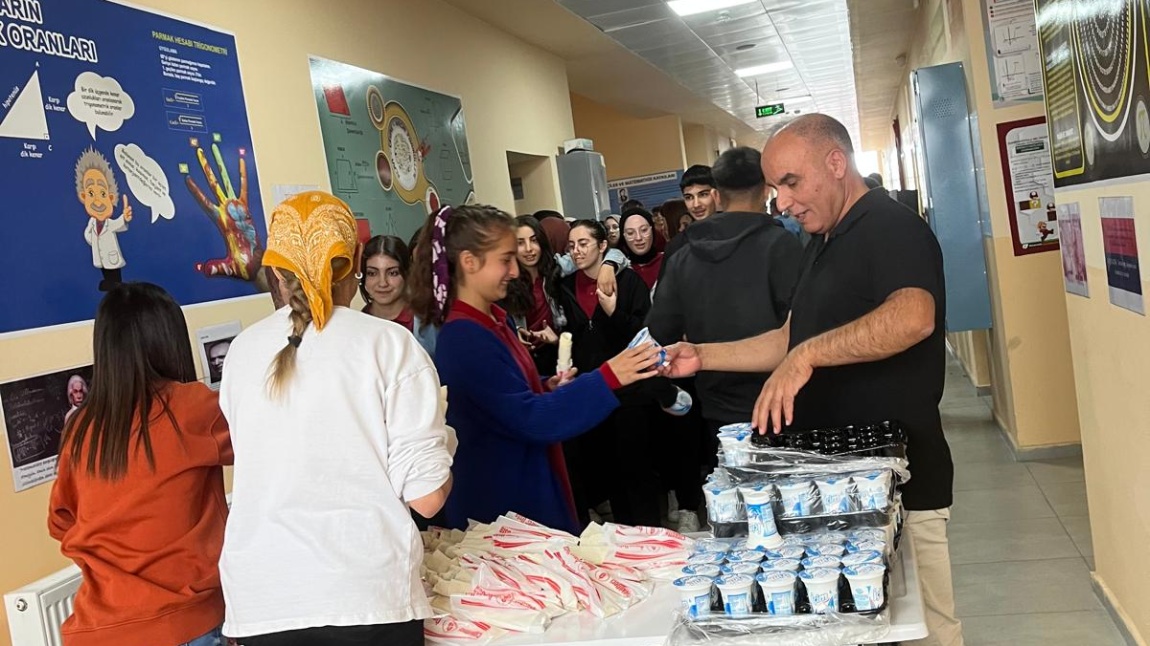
x=338 y=429
x=614 y=225
x=641 y=244
x=510 y=421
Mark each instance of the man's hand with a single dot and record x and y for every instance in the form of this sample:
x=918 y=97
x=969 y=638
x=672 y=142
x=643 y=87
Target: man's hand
x=127 y=214
x=606 y=280
x=558 y=381
x=776 y=405
x=683 y=360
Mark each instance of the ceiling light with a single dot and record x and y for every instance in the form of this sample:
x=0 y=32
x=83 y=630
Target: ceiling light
x=764 y=69
x=692 y=7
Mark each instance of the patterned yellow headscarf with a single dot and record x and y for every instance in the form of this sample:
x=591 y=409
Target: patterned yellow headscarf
x=307 y=232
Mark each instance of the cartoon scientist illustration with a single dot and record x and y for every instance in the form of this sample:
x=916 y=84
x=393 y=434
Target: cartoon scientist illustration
x=98 y=192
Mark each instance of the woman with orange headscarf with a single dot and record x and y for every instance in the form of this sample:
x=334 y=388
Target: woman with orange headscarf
x=338 y=428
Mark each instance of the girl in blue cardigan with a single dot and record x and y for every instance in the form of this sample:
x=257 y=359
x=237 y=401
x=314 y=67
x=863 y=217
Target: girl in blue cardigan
x=508 y=420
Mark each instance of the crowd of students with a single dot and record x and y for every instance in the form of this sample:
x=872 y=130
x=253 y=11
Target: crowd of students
x=338 y=427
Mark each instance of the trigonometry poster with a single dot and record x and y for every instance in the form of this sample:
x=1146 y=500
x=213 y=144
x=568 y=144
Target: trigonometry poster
x=395 y=152
x=1095 y=67
x=126 y=156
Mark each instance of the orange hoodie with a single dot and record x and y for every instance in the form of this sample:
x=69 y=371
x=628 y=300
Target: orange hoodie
x=149 y=543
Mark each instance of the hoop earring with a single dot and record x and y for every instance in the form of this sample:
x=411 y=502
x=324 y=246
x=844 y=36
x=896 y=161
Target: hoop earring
x=359 y=276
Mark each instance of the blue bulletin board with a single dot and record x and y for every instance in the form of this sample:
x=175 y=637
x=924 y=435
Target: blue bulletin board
x=651 y=190
x=126 y=156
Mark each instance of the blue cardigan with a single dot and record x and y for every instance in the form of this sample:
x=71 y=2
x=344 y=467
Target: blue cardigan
x=505 y=429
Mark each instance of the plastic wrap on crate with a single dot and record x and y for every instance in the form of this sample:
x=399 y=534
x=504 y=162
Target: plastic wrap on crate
x=885 y=439
x=768 y=630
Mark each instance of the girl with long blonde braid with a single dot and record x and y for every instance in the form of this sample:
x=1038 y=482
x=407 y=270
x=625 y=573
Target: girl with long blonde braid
x=338 y=429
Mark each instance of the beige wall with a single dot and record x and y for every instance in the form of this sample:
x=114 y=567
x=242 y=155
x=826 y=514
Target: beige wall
x=630 y=146
x=699 y=144
x=1029 y=362
x=516 y=98
x=539 y=185
x=1111 y=353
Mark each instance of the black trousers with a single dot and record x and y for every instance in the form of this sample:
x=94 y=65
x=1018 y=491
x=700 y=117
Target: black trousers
x=682 y=451
x=409 y=633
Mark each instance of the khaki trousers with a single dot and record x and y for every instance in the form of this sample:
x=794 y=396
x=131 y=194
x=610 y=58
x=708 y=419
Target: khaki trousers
x=927 y=530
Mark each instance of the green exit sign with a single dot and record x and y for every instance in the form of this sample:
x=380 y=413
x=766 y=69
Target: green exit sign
x=768 y=110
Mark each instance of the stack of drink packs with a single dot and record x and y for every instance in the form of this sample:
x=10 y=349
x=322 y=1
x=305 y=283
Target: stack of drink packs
x=819 y=531
x=823 y=573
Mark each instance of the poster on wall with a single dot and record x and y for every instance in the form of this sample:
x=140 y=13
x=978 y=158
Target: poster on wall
x=35 y=410
x=1026 y=172
x=1073 y=251
x=1096 y=69
x=652 y=190
x=127 y=155
x=213 y=344
x=1120 y=246
x=1012 y=52
x=395 y=151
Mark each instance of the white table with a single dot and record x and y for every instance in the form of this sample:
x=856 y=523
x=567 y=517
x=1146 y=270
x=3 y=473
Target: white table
x=649 y=622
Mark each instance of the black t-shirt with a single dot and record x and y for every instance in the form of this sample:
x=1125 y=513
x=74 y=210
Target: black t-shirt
x=879 y=248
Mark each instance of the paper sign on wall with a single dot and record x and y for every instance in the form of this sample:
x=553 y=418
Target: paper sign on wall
x=1073 y=251
x=1012 y=51
x=35 y=410
x=1029 y=177
x=1120 y=245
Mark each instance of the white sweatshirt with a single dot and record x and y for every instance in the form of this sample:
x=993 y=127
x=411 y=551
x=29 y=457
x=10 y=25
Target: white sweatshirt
x=319 y=532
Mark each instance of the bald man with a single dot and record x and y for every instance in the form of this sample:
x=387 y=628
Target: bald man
x=864 y=341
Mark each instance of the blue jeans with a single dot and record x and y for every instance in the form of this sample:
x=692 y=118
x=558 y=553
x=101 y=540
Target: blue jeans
x=213 y=638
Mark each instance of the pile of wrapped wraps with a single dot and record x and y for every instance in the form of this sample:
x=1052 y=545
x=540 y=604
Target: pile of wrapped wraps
x=515 y=575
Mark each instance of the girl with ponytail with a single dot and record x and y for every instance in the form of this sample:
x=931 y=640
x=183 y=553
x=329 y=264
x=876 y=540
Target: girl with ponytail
x=338 y=429
x=510 y=422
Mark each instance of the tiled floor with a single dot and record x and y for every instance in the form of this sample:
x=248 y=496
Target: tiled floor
x=1019 y=537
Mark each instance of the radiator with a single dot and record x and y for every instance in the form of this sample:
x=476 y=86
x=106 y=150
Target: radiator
x=36 y=611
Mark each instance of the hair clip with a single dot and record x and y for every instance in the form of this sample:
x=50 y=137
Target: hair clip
x=294 y=340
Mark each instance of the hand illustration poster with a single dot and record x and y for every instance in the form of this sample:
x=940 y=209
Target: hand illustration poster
x=35 y=410
x=1120 y=245
x=1096 y=69
x=395 y=152
x=1073 y=250
x=127 y=156
x=1025 y=149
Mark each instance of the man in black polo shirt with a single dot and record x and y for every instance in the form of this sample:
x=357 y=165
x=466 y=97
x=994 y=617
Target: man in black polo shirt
x=864 y=342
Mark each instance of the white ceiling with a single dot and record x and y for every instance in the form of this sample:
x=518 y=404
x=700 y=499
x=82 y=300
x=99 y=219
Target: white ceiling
x=702 y=52
x=639 y=57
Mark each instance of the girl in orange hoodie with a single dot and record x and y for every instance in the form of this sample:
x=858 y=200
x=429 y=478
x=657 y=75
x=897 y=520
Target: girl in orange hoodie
x=138 y=501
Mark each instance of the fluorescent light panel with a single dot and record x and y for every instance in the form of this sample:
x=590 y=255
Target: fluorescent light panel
x=764 y=69
x=692 y=7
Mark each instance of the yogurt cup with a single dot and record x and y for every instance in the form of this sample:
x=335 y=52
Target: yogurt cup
x=644 y=336
x=761 y=529
x=866 y=585
x=833 y=537
x=796 y=540
x=744 y=427
x=778 y=591
x=873 y=489
x=868 y=546
x=736 y=591
x=710 y=545
x=695 y=593
x=822 y=562
x=736 y=447
x=868 y=534
x=822 y=589
x=746 y=556
x=787 y=552
x=745 y=567
x=712 y=571
x=788 y=565
x=706 y=558
x=861 y=558
x=738 y=545
x=798 y=497
x=835 y=494
x=826 y=549
x=722 y=504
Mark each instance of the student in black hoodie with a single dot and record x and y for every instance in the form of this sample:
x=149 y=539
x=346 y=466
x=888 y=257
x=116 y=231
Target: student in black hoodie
x=615 y=460
x=732 y=279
